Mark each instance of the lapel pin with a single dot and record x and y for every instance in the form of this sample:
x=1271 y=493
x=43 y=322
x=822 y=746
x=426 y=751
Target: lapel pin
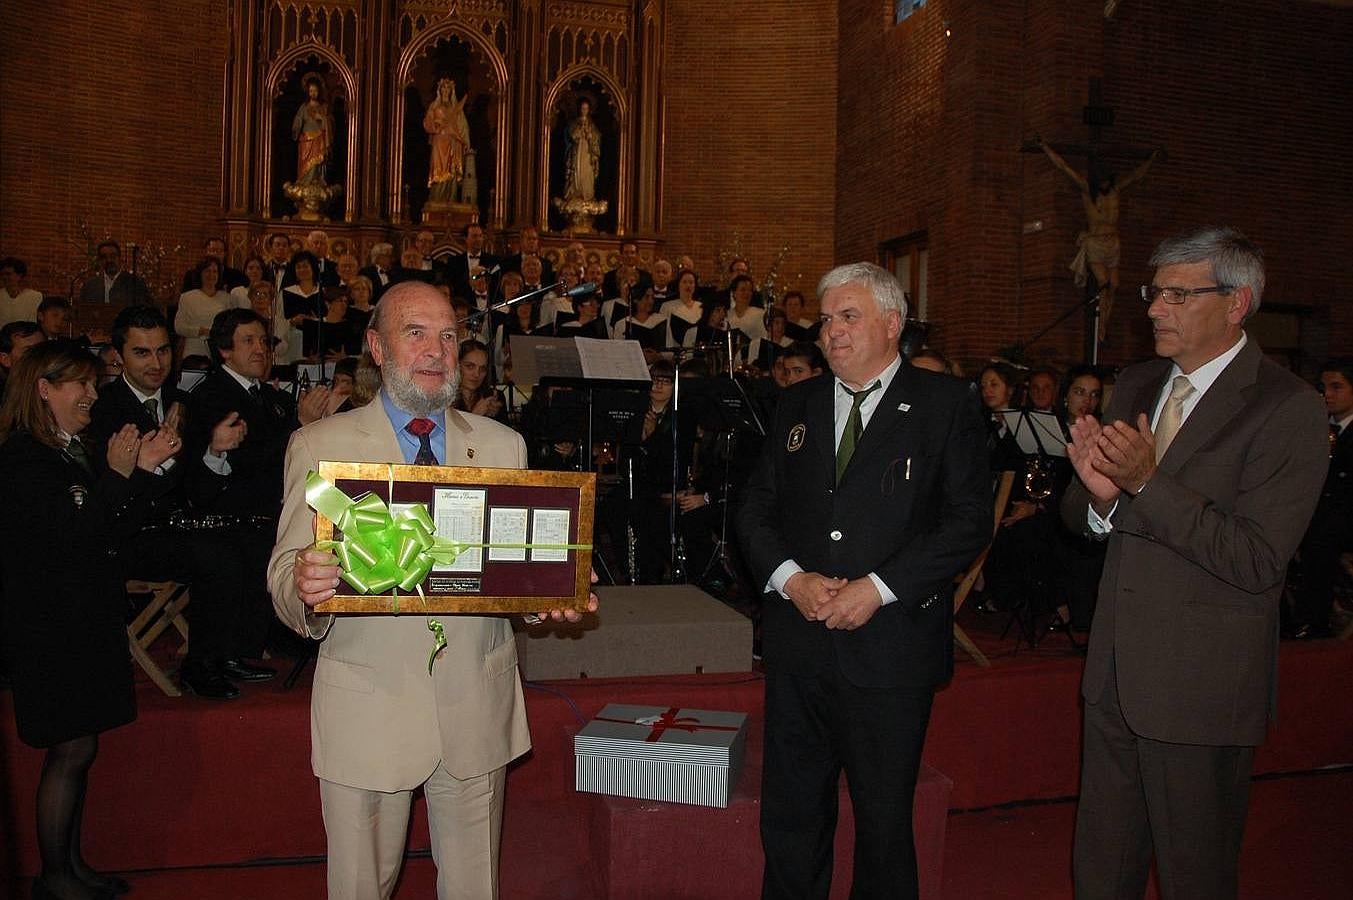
x=904 y=407
x=795 y=437
x=469 y=451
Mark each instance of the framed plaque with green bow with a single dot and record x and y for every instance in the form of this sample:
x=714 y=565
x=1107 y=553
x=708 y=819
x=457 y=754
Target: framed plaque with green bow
x=452 y=539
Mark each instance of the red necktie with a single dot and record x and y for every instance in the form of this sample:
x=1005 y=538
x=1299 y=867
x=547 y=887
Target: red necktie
x=421 y=429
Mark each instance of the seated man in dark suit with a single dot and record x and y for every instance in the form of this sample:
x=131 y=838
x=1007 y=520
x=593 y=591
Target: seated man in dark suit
x=112 y=285
x=245 y=487
x=1330 y=533
x=167 y=547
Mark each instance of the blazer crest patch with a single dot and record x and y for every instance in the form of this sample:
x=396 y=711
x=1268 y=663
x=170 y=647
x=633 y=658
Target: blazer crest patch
x=796 y=435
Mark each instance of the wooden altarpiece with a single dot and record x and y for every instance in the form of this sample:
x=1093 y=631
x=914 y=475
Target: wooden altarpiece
x=519 y=64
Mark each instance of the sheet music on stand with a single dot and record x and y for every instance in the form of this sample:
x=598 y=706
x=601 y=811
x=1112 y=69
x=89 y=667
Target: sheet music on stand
x=612 y=360
x=576 y=359
x=1037 y=433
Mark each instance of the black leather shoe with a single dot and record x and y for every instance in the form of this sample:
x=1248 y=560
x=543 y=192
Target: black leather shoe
x=239 y=670
x=207 y=684
x=110 y=884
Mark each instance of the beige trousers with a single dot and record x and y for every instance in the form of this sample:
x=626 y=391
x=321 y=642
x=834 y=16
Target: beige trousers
x=366 y=832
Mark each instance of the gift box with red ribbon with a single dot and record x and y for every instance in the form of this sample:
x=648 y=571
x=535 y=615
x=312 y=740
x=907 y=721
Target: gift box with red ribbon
x=661 y=753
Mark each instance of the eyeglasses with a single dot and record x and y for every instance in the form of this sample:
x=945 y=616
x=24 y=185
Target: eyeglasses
x=1177 y=295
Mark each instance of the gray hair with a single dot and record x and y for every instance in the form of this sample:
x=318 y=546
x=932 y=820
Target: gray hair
x=377 y=250
x=1236 y=261
x=882 y=284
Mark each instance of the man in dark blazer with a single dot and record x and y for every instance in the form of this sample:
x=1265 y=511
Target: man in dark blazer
x=112 y=285
x=1202 y=479
x=245 y=482
x=380 y=272
x=872 y=494
x=1330 y=534
x=458 y=268
x=209 y=561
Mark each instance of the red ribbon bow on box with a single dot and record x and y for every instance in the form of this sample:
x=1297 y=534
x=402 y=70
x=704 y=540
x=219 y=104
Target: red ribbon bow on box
x=669 y=720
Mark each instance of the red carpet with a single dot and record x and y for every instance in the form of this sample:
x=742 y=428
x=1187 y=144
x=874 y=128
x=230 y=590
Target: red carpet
x=194 y=784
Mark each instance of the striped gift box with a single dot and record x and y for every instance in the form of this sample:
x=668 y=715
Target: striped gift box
x=661 y=753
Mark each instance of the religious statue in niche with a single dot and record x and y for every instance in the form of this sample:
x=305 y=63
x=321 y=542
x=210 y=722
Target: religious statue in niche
x=313 y=131
x=582 y=166
x=449 y=138
x=1099 y=244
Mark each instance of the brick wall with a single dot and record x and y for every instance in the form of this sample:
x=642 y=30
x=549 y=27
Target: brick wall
x=750 y=142
x=113 y=118
x=1250 y=100
x=109 y=115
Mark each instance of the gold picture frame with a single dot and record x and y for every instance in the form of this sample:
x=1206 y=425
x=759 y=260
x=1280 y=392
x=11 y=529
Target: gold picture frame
x=539 y=579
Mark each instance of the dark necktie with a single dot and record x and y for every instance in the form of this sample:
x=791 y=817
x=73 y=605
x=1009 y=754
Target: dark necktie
x=422 y=429
x=256 y=394
x=152 y=408
x=854 y=428
x=76 y=451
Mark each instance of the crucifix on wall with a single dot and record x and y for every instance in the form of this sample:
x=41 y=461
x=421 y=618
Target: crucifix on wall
x=1098 y=245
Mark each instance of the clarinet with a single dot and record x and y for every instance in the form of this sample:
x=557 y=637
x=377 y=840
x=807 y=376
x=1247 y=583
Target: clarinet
x=631 y=539
x=679 y=570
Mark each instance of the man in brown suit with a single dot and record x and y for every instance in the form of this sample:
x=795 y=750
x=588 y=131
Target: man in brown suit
x=1202 y=483
x=381 y=724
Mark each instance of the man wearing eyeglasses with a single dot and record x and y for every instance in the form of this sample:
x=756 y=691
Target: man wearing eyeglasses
x=1202 y=481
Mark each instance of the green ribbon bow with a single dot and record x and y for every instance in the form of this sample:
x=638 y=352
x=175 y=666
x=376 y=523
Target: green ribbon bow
x=380 y=550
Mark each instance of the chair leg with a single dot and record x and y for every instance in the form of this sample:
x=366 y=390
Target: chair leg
x=148 y=665
x=970 y=648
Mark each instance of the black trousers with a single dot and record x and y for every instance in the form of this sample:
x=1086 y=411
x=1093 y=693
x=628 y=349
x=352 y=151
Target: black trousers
x=1328 y=536
x=1185 y=801
x=816 y=726
x=230 y=611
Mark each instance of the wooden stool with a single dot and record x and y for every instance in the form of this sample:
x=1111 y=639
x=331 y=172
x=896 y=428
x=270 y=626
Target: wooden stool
x=1004 y=483
x=167 y=602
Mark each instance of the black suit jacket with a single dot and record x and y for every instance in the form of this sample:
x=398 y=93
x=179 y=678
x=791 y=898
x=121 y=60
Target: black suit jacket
x=913 y=507
x=458 y=271
x=254 y=485
x=377 y=288
x=547 y=276
x=1337 y=494
x=127 y=289
x=117 y=406
x=1187 y=618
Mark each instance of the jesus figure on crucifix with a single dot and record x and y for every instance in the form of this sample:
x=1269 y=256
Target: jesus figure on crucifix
x=1099 y=243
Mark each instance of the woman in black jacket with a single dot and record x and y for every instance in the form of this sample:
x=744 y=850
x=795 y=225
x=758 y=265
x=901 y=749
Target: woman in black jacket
x=64 y=602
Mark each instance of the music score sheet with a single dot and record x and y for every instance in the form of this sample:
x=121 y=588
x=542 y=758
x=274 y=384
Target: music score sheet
x=612 y=360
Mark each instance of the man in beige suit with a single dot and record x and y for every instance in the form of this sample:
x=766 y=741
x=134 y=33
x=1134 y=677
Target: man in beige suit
x=380 y=725
x=1202 y=482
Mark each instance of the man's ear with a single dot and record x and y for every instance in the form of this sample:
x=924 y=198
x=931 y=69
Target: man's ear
x=1239 y=309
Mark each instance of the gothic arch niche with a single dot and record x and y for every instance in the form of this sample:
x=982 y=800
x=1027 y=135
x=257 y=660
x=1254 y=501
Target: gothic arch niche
x=288 y=92
x=561 y=108
x=480 y=77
